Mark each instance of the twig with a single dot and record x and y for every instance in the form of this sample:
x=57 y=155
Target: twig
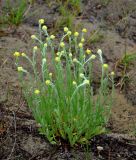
x=28 y=9
x=14 y=136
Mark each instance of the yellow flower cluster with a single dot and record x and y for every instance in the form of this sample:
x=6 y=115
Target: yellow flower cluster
x=35 y=48
x=74 y=83
x=82 y=40
x=81 y=75
x=76 y=34
x=105 y=66
x=41 y=21
x=37 y=92
x=70 y=55
x=47 y=82
x=44 y=27
x=75 y=60
x=50 y=74
x=45 y=45
x=88 y=51
x=67 y=31
x=80 y=45
x=86 y=81
x=52 y=37
x=57 y=59
x=33 y=37
x=62 y=44
x=16 y=54
x=84 y=30
x=112 y=73
x=23 y=54
x=20 y=69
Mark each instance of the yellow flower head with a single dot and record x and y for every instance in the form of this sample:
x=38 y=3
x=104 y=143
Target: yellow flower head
x=75 y=60
x=70 y=54
x=62 y=44
x=23 y=54
x=45 y=45
x=74 y=83
x=93 y=56
x=99 y=51
x=47 y=39
x=81 y=75
x=58 y=53
x=16 y=54
x=84 y=56
x=69 y=33
x=65 y=29
x=105 y=66
x=82 y=40
x=86 y=82
x=44 y=60
x=84 y=30
x=37 y=92
x=33 y=37
x=52 y=37
x=47 y=82
x=76 y=34
x=112 y=73
x=88 y=51
x=57 y=59
x=41 y=21
x=44 y=27
x=35 y=48
x=50 y=74
x=80 y=45
x=20 y=69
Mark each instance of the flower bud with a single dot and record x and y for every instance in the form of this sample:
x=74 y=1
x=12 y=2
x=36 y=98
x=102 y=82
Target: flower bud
x=88 y=51
x=93 y=56
x=41 y=21
x=80 y=45
x=37 y=91
x=50 y=74
x=99 y=51
x=62 y=44
x=47 y=82
x=105 y=66
x=52 y=37
x=74 y=83
x=57 y=59
x=45 y=45
x=82 y=40
x=70 y=54
x=86 y=82
x=84 y=30
x=112 y=73
x=81 y=75
x=69 y=33
x=20 y=69
x=76 y=34
x=65 y=29
x=44 y=27
x=75 y=60
x=33 y=37
x=23 y=54
x=44 y=60
x=16 y=54
x=35 y=48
